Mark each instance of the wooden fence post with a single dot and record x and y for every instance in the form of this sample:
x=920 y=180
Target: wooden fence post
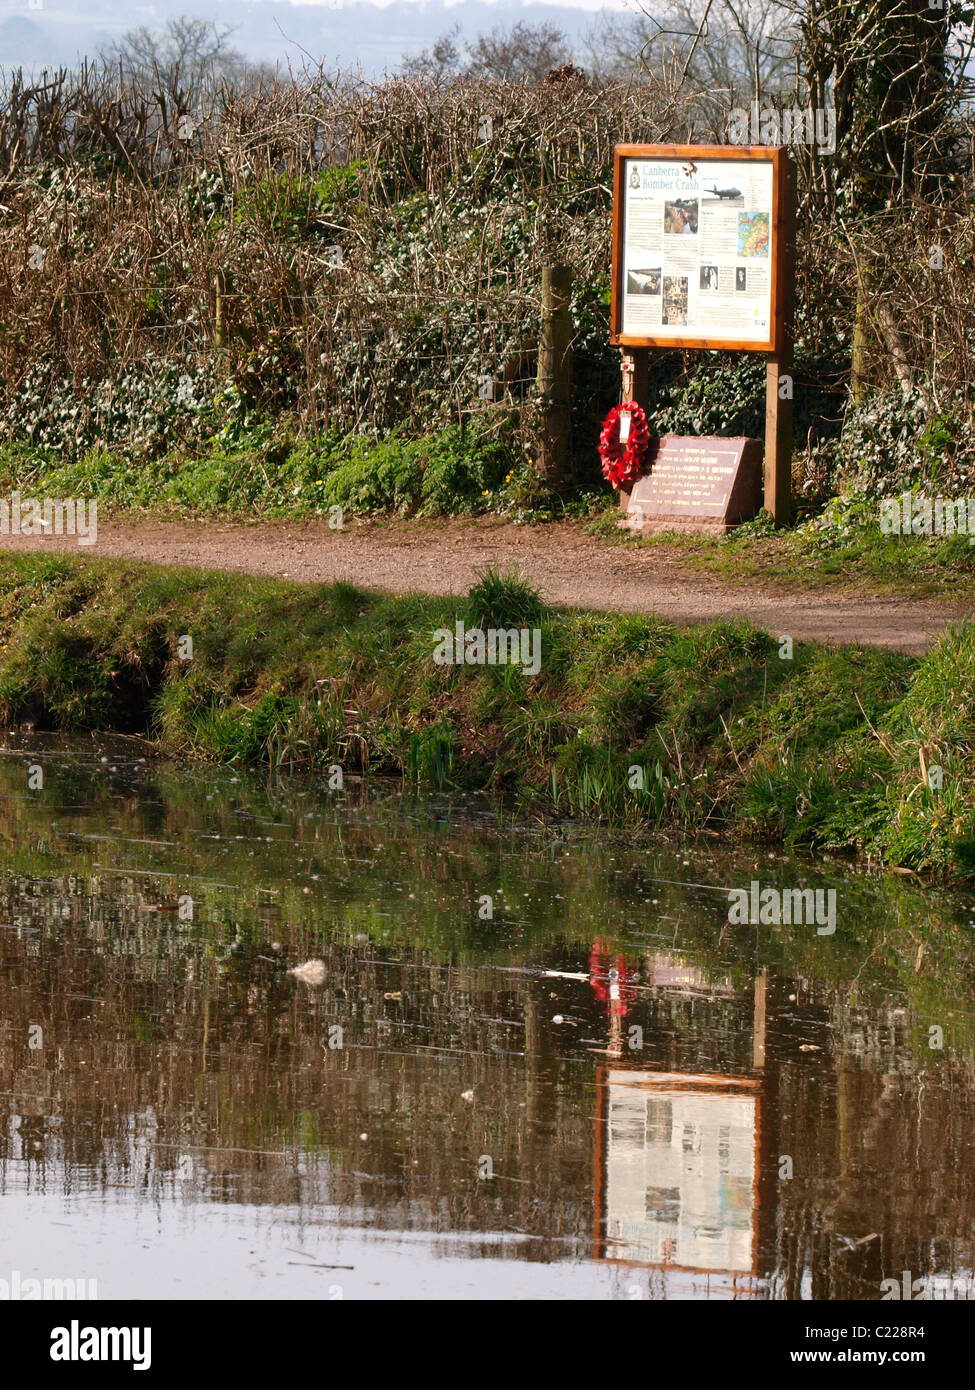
x=555 y=373
x=778 y=408
x=220 y=311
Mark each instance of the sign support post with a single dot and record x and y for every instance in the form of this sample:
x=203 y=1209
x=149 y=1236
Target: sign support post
x=636 y=376
x=779 y=382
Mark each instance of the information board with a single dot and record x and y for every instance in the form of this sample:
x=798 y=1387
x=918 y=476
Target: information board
x=678 y=1159
x=697 y=247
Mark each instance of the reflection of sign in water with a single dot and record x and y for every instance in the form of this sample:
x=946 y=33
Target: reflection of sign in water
x=665 y=970
x=681 y=1171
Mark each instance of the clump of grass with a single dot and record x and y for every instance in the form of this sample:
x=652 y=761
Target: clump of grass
x=626 y=708
x=504 y=598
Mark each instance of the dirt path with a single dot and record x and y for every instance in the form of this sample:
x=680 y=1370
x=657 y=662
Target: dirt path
x=571 y=568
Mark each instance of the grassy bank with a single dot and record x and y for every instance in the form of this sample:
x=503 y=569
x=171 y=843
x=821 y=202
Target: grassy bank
x=630 y=719
x=274 y=476
x=842 y=547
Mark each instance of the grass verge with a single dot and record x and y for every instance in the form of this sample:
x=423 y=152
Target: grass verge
x=631 y=720
x=266 y=475
x=480 y=472
x=843 y=548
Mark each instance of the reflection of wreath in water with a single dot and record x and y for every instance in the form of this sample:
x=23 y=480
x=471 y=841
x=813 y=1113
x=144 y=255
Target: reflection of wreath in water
x=623 y=463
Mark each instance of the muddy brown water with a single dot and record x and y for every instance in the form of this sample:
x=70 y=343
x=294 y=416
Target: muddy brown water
x=591 y=1086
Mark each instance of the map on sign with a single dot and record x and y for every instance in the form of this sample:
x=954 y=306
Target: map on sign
x=696 y=253
x=753 y=233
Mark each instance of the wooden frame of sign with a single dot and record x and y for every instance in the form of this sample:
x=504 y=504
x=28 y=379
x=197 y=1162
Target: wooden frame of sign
x=776 y=339
x=621 y=1070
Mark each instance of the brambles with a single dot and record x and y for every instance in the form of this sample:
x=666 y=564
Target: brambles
x=344 y=255
x=332 y=258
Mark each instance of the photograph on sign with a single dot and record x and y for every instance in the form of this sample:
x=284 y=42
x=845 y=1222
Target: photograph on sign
x=696 y=253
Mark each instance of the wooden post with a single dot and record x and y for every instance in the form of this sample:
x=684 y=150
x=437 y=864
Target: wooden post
x=636 y=376
x=555 y=372
x=778 y=391
x=858 y=353
x=636 y=391
x=219 y=311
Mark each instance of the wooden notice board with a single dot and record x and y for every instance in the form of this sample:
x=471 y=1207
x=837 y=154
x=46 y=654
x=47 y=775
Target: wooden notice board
x=703 y=257
x=699 y=247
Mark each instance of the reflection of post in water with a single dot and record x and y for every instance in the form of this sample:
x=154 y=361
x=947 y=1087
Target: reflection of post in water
x=682 y=1161
x=540 y=1107
x=765 y=1064
x=615 y=1035
x=758 y=1029
x=614 y=986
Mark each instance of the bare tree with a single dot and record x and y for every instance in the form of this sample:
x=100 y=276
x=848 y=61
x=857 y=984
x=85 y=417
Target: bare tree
x=441 y=60
x=184 y=54
x=523 y=53
x=735 y=50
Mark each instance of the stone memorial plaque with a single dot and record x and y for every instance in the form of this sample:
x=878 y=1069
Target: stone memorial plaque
x=705 y=484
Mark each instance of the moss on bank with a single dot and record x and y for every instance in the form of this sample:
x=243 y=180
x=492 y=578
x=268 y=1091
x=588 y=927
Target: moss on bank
x=630 y=719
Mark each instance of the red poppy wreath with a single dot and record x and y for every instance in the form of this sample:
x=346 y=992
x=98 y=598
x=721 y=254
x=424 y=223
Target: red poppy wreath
x=623 y=457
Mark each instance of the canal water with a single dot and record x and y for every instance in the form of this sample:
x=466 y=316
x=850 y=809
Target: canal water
x=540 y=1062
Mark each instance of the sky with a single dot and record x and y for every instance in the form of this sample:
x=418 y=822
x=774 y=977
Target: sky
x=377 y=33
x=619 y=5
